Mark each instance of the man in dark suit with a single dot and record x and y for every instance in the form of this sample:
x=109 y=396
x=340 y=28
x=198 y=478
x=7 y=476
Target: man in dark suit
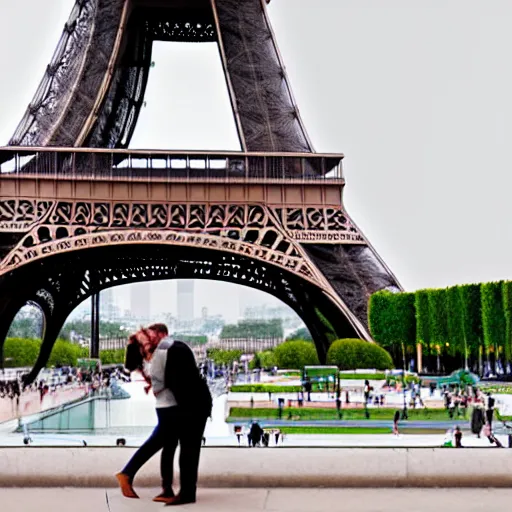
x=183 y=404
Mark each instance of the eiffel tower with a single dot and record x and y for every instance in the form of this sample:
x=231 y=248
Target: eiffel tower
x=80 y=212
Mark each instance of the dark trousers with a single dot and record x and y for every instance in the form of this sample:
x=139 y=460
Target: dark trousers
x=190 y=434
x=164 y=436
x=174 y=426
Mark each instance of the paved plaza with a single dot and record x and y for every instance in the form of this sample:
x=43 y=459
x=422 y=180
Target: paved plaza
x=254 y=500
x=134 y=419
x=30 y=402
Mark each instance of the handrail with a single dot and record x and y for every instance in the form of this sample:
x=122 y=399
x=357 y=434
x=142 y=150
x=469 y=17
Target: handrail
x=100 y=163
x=195 y=152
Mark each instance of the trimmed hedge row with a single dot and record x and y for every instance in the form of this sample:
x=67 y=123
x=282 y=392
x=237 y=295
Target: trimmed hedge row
x=264 y=388
x=21 y=352
x=468 y=322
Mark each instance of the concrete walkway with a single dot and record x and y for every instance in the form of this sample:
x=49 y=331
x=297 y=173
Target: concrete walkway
x=267 y=467
x=255 y=500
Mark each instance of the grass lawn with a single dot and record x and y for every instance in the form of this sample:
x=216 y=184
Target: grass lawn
x=356 y=430
x=290 y=373
x=304 y=413
x=362 y=376
x=264 y=388
x=334 y=430
x=504 y=389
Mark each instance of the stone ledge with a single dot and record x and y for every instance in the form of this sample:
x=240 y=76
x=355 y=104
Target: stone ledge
x=271 y=468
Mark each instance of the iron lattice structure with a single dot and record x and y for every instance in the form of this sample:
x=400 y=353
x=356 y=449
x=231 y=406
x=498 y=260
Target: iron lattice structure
x=75 y=221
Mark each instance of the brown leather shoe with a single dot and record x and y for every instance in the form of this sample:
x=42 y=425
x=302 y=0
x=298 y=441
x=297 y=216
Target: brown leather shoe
x=125 y=482
x=164 y=497
x=180 y=500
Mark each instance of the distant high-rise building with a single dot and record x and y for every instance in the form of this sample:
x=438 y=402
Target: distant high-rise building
x=185 y=300
x=108 y=310
x=204 y=312
x=140 y=301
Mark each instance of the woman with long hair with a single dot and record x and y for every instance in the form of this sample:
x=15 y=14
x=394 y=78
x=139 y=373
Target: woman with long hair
x=140 y=351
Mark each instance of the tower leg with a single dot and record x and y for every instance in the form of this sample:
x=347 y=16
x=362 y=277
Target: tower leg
x=95 y=326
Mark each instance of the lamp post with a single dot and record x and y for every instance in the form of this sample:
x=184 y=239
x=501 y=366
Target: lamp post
x=466 y=365
x=95 y=326
x=404 y=411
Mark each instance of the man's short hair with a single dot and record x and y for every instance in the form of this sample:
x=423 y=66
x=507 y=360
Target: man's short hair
x=159 y=328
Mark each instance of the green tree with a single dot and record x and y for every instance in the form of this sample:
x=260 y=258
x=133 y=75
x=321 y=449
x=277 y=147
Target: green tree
x=493 y=319
x=422 y=319
x=392 y=319
x=253 y=329
x=507 y=306
x=24 y=352
x=353 y=354
x=294 y=355
x=64 y=353
x=19 y=352
x=83 y=328
x=193 y=339
x=268 y=359
x=116 y=356
x=27 y=324
x=472 y=319
x=300 y=334
x=256 y=361
x=380 y=313
x=438 y=319
x=455 y=319
x=224 y=357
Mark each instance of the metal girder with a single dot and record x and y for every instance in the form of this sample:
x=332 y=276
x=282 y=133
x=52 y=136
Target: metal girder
x=65 y=281
x=93 y=89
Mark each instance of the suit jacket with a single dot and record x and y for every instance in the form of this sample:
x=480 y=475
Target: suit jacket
x=183 y=378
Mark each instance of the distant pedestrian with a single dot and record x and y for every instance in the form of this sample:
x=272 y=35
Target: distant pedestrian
x=308 y=388
x=489 y=408
x=395 y=422
x=477 y=419
x=458 y=437
x=366 y=391
x=338 y=405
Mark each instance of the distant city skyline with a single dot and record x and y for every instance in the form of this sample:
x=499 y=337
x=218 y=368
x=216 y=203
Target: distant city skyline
x=231 y=304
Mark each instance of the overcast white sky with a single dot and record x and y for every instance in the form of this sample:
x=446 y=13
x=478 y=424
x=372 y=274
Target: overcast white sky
x=416 y=94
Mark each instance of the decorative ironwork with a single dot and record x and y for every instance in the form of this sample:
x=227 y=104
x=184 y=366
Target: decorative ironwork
x=253 y=230
x=196 y=30
x=20 y=214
